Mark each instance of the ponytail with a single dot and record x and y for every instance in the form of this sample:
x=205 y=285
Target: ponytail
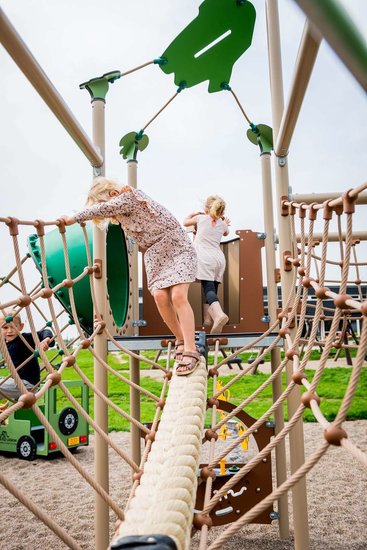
x=215 y=206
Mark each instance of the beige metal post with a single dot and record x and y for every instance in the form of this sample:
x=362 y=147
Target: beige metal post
x=300 y=515
x=101 y=466
x=132 y=166
x=280 y=454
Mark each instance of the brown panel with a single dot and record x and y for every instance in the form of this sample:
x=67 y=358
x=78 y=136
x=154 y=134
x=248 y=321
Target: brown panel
x=251 y=489
x=241 y=293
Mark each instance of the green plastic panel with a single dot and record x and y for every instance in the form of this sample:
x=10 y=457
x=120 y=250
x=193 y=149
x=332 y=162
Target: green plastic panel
x=230 y=21
x=131 y=143
x=117 y=270
x=261 y=135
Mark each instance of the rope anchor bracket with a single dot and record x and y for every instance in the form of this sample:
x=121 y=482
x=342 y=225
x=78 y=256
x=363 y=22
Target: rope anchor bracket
x=282 y=161
x=287 y=264
x=98 y=269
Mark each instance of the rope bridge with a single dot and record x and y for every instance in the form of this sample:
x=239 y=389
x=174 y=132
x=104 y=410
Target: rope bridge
x=171 y=472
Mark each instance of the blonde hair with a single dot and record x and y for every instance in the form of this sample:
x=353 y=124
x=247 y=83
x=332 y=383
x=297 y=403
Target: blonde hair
x=100 y=192
x=215 y=205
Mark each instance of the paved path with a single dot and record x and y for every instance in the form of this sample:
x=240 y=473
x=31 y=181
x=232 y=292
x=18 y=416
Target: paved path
x=265 y=368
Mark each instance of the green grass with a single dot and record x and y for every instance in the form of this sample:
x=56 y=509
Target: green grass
x=331 y=390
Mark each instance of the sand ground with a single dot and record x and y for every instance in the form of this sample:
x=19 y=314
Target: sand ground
x=337 y=500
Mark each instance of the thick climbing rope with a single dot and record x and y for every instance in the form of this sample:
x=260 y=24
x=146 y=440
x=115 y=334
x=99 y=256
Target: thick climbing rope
x=165 y=498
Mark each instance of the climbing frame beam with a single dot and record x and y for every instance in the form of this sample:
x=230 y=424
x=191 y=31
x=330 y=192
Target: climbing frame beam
x=340 y=32
x=21 y=55
x=307 y=54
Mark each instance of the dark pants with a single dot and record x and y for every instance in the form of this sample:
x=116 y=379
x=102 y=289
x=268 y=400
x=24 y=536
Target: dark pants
x=210 y=289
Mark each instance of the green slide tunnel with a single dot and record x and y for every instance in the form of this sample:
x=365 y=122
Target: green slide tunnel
x=117 y=270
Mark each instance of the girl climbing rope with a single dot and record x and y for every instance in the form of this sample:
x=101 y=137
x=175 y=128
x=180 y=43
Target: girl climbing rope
x=170 y=259
x=211 y=226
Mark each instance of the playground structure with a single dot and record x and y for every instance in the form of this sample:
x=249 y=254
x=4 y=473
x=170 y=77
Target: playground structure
x=173 y=448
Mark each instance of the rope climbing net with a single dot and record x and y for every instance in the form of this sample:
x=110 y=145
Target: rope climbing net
x=175 y=438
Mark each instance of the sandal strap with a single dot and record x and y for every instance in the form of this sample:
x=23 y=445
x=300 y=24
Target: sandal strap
x=194 y=354
x=177 y=353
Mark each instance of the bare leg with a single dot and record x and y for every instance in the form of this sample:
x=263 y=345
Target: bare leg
x=163 y=302
x=185 y=314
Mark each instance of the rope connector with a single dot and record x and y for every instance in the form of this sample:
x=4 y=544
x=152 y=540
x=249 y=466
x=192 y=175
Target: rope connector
x=309 y=396
x=298 y=376
x=160 y=61
x=27 y=399
x=13 y=226
x=54 y=378
x=200 y=519
x=334 y=435
x=348 y=203
x=61 y=225
x=24 y=300
x=225 y=86
x=182 y=85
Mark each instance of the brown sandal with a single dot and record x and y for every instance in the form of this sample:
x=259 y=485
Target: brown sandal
x=177 y=353
x=190 y=361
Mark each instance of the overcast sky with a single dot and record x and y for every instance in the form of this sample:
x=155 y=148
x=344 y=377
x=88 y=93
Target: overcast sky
x=198 y=146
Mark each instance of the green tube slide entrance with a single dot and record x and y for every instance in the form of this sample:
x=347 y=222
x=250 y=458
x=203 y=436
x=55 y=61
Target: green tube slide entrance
x=117 y=270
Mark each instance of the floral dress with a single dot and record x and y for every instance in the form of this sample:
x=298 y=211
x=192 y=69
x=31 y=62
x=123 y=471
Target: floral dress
x=169 y=258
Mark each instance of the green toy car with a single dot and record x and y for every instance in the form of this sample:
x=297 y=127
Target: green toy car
x=23 y=434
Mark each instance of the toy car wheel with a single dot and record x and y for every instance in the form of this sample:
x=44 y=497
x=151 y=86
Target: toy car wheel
x=68 y=421
x=26 y=447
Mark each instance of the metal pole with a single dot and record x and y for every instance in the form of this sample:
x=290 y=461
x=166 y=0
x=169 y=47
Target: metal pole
x=340 y=31
x=18 y=50
x=101 y=466
x=307 y=54
x=309 y=198
x=335 y=237
x=132 y=166
x=296 y=440
x=280 y=454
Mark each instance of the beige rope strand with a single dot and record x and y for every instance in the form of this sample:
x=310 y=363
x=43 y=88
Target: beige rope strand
x=136 y=68
x=7 y=278
x=38 y=512
x=209 y=480
x=240 y=106
x=354 y=451
x=160 y=111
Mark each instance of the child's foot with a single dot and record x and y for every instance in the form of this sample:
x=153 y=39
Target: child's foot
x=4 y=406
x=190 y=361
